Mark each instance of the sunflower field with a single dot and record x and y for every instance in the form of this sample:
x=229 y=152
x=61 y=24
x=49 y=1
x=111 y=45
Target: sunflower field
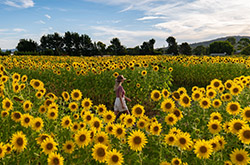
x=184 y=110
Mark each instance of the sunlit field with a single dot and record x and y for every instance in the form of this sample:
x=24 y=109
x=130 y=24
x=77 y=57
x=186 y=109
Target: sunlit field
x=184 y=110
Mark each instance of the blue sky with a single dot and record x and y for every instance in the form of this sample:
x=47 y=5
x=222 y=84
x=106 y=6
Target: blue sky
x=132 y=21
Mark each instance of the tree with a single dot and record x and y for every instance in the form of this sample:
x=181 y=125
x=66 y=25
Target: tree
x=172 y=46
x=101 y=47
x=243 y=42
x=246 y=50
x=199 y=50
x=116 y=48
x=86 y=45
x=221 y=47
x=232 y=40
x=52 y=43
x=147 y=47
x=185 y=49
x=27 y=45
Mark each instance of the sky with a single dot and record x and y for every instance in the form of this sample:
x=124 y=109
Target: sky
x=132 y=21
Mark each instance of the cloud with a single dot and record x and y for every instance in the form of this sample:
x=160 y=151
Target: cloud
x=40 y=22
x=48 y=16
x=150 y=18
x=20 y=3
x=19 y=30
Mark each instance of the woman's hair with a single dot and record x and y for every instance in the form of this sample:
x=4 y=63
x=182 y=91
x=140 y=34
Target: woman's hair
x=117 y=83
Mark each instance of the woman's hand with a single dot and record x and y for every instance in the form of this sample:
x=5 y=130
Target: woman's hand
x=128 y=99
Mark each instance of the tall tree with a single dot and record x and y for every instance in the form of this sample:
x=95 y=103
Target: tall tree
x=221 y=47
x=52 y=42
x=116 y=48
x=87 y=47
x=172 y=46
x=101 y=47
x=199 y=50
x=185 y=49
x=232 y=40
x=27 y=45
x=242 y=43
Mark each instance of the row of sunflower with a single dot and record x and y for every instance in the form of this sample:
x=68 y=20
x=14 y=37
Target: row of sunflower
x=39 y=126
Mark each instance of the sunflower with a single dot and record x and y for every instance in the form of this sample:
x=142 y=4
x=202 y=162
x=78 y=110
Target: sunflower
x=7 y=104
x=42 y=137
x=88 y=117
x=101 y=137
x=244 y=135
x=119 y=131
x=176 y=95
x=82 y=138
x=4 y=79
x=168 y=105
x=99 y=152
x=175 y=131
x=73 y=106
x=235 y=90
x=211 y=93
x=171 y=119
x=101 y=109
x=49 y=146
x=138 y=85
x=76 y=94
x=137 y=140
x=75 y=126
x=52 y=114
x=170 y=69
x=185 y=100
x=216 y=116
x=228 y=163
x=155 y=128
x=19 y=141
x=239 y=156
x=86 y=103
x=129 y=120
x=26 y=120
x=246 y=114
x=176 y=161
x=96 y=124
x=178 y=113
x=47 y=102
x=141 y=123
x=155 y=68
x=27 y=105
x=24 y=78
x=214 y=126
x=65 y=96
x=155 y=95
x=196 y=95
x=42 y=109
x=138 y=110
x=165 y=93
x=215 y=83
x=16 y=87
x=228 y=84
x=144 y=73
x=55 y=159
x=203 y=149
x=226 y=126
x=205 y=103
x=37 y=124
x=115 y=74
x=69 y=147
x=36 y=84
x=216 y=103
x=9 y=148
x=233 y=108
x=4 y=114
x=183 y=140
x=16 y=77
x=109 y=117
x=114 y=157
x=170 y=139
x=2 y=150
x=215 y=144
x=109 y=128
x=236 y=125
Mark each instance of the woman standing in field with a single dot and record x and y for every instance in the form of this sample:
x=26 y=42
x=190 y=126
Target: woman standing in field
x=120 y=103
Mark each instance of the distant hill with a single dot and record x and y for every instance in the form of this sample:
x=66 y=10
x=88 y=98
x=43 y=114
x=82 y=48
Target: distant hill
x=206 y=43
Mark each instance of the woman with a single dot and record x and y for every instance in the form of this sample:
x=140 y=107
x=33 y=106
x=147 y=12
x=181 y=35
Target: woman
x=120 y=103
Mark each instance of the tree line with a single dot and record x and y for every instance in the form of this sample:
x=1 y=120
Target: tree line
x=74 y=44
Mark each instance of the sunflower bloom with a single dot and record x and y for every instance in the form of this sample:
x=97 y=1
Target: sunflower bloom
x=99 y=152
x=240 y=157
x=137 y=140
x=114 y=157
x=19 y=141
x=55 y=159
x=203 y=149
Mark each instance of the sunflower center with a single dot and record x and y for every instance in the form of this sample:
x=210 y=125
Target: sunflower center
x=100 y=152
x=42 y=109
x=73 y=106
x=138 y=110
x=216 y=103
x=52 y=114
x=115 y=158
x=86 y=104
x=27 y=105
x=246 y=134
x=156 y=128
x=210 y=94
x=170 y=119
x=165 y=93
x=82 y=138
x=176 y=162
x=119 y=131
x=100 y=139
x=20 y=141
x=214 y=126
x=27 y=120
x=75 y=127
x=76 y=95
x=235 y=90
x=214 y=145
x=237 y=126
x=233 y=107
x=110 y=128
x=38 y=124
x=36 y=84
x=216 y=117
x=88 y=118
x=49 y=146
x=67 y=122
x=156 y=95
x=239 y=157
x=205 y=103
x=137 y=140
x=168 y=105
x=216 y=84
x=183 y=140
x=176 y=95
x=247 y=113
x=130 y=120
x=101 y=109
x=197 y=95
x=185 y=100
x=109 y=117
x=69 y=146
x=7 y=104
x=56 y=161
x=228 y=85
x=203 y=149
x=1 y=150
x=171 y=139
x=96 y=124
x=141 y=124
x=177 y=113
